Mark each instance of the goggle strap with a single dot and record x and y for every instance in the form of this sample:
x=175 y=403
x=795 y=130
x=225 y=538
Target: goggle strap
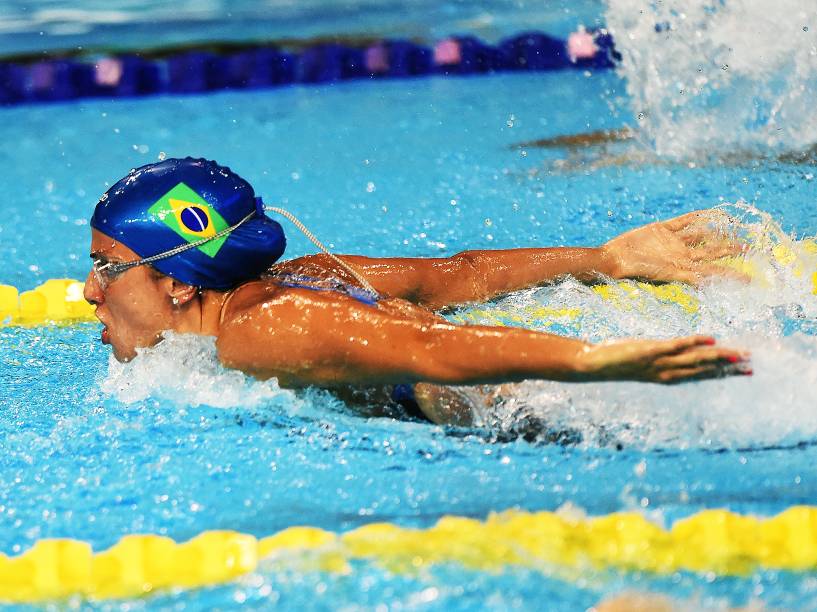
x=117 y=268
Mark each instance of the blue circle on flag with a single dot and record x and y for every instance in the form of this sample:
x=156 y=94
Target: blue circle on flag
x=195 y=219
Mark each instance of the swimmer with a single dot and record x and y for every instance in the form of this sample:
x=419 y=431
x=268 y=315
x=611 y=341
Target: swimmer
x=185 y=245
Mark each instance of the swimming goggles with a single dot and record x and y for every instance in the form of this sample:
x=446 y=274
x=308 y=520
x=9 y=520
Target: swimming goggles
x=106 y=272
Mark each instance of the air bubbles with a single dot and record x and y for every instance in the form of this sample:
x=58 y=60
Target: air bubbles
x=370 y=187
x=162 y=156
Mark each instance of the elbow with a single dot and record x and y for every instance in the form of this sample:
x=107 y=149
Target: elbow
x=465 y=281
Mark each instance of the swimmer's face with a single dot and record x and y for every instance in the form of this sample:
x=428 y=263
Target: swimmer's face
x=136 y=307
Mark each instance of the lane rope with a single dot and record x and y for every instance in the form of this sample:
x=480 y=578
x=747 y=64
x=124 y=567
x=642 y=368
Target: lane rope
x=711 y=541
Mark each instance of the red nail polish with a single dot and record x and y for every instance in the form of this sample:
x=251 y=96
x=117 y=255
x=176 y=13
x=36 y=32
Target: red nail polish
x=748 y=372
x=732 y=359
x=709 y=341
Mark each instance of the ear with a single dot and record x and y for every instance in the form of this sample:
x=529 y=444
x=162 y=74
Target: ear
x=180 y=292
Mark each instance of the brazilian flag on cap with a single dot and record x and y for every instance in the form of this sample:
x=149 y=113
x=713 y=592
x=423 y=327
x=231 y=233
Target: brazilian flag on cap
x=191 y=217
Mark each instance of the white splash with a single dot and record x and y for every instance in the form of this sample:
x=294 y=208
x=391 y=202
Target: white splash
x=775 y=406
x=720 y=77
x=185 y=370
x=774 y=317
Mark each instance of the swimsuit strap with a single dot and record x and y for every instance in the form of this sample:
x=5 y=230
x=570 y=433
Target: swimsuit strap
x=301 y=281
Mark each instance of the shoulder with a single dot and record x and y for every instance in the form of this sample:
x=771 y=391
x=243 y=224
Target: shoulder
x=267 y=330
x=248 y=296
x=255 y=334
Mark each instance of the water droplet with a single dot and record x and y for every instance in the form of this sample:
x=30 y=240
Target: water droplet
x=805 y=28
x=725 y=67
x=370 y=187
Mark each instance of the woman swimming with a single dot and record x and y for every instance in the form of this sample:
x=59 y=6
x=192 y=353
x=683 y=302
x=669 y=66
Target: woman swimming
x=185 y=245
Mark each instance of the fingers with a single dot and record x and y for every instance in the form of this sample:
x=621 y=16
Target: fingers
x=695 y=273
x=712 y=370
x=678 y=223
x=697 y=363
x=717 y=249
x=703 y=227
x=699 y=356
x=661 y=348
x=703 y=271
x=689 y=374
x=703 y=214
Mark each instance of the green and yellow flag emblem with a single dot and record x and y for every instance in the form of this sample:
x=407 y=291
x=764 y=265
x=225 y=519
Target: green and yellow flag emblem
x=191 y=217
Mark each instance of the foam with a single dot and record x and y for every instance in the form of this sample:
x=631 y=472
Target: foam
x=184 y=370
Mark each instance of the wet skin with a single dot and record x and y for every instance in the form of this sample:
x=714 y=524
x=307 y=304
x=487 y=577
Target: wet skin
x=305 y=337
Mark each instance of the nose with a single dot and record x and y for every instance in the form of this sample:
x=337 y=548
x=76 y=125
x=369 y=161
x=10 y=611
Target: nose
x=92 y=292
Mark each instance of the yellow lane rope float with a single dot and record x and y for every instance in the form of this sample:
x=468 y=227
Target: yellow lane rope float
x=58 y=300
x=715 y=541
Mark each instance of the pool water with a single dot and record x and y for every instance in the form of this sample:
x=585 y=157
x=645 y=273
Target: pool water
x=173 y=444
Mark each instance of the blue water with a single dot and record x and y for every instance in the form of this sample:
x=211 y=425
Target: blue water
x=174 y=445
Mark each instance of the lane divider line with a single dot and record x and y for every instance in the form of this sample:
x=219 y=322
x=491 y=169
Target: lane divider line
x=711 y=541
x=58 y=300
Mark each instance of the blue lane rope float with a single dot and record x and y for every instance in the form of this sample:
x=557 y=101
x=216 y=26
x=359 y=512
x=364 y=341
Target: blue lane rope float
x=69 y=76
x=712 y=541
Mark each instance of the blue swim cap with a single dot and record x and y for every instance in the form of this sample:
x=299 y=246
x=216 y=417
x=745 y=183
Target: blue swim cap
x=175 y=202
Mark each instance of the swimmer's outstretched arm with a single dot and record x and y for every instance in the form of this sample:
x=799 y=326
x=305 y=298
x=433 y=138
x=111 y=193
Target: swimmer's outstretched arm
x=308 y=338
x=681 y=249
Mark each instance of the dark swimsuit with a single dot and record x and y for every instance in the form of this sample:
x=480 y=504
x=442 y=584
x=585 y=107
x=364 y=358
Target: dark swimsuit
x=401 y=394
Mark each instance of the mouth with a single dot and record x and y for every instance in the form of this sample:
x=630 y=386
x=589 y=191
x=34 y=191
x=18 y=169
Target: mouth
x=105 y=335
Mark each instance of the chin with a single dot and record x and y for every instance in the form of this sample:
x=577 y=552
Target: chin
x=124 y=352
x=123 y=355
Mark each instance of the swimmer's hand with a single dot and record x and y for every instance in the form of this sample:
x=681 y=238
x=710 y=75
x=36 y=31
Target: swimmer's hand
x=662 y=361
x=682 y=249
